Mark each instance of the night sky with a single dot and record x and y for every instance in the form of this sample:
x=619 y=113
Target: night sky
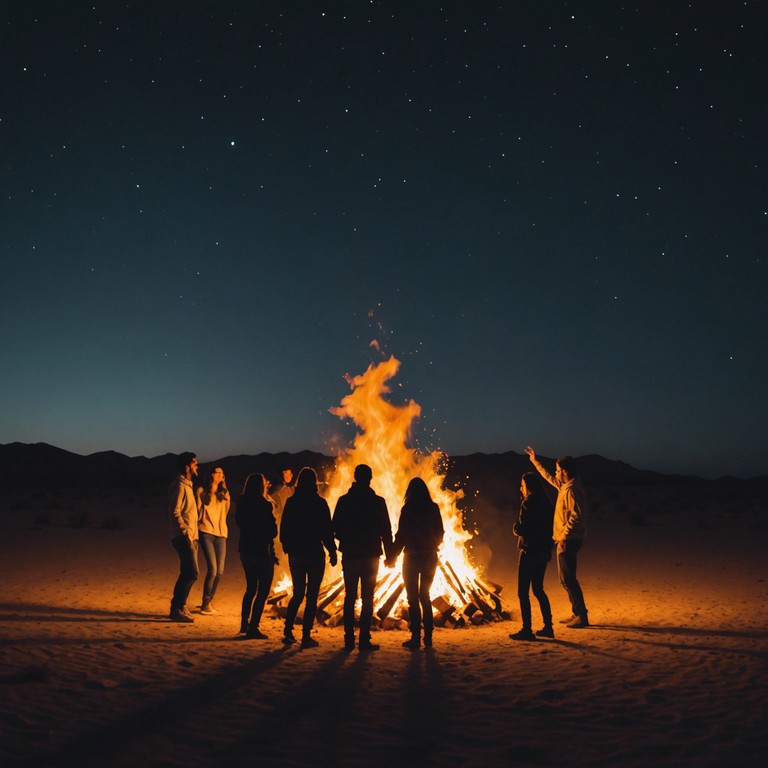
x=554 y=214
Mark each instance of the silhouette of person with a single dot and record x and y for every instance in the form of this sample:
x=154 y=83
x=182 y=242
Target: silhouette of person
x=254 y=515
x=182 y=518
x=534 y=531
x=213 y=508
x=361 y=524
x=305 y=531
x=420 y=533
x=280 y=493
x=568 y=530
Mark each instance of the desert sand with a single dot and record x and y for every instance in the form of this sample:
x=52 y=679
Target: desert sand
x=672 y=672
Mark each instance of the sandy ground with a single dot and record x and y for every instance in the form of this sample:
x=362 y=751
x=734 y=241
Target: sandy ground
x=673 y=671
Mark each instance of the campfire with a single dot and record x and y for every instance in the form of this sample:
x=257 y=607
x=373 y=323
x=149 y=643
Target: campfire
x=460 y=594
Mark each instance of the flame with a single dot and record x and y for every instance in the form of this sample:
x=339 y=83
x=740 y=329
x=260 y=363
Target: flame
x=383 y=442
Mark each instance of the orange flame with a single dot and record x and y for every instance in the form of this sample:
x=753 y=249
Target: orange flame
x=383 y=443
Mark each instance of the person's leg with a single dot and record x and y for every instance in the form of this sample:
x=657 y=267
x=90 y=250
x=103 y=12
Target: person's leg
x=251 y=585
x=315 y=570
x=188 y=571
x=411 y=581
x=523 y=589
x=266 y=572
x=538 y=567
x=370 y=572
x=209 y=552
x=425 y=586
x=298 y=571
x=219 y=559
x=566 y=564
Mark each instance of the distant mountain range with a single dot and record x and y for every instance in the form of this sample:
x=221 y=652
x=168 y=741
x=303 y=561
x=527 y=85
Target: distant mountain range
x=43 y=466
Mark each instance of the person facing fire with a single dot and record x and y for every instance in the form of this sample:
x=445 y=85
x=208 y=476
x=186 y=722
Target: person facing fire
x=182 y=519
x=533 y=529
x=361 y=525
x=305 y=532
x=568 y=530
x=420 y=533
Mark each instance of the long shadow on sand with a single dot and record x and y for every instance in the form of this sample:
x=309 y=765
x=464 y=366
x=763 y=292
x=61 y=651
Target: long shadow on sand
x=56 y=613
x=686 y=631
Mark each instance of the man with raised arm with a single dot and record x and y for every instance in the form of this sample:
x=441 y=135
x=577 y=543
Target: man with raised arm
x=568 y=530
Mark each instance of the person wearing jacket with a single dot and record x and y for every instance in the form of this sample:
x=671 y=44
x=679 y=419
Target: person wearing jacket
x=420 y=533
x=182 y=519
x=306 y=533
x=534 y=542
x=568 y=530
x=361 y=525
x=213 y=507
x=255 y=517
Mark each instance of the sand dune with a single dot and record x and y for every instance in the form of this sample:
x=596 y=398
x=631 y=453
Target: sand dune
x=672 y=672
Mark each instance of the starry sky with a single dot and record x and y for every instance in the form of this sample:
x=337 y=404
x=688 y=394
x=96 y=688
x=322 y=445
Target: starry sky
x=554 y=214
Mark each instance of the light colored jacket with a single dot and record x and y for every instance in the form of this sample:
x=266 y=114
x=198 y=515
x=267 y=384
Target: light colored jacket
x=182 y=509
x=570 y=521
x=213 y=515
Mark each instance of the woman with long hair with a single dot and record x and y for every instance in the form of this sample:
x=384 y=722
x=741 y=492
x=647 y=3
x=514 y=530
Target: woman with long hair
x=255 y=516
x=213 y=508
x=534 y=531
x=420 y=533
x=306 y=533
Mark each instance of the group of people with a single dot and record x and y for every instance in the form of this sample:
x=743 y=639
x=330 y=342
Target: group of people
x=308 y=534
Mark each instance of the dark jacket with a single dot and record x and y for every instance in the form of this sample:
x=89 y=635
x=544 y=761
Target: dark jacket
x=306 y=526
x=361 y=523
x=534 y=525
x=420 y=530
x=255 y=518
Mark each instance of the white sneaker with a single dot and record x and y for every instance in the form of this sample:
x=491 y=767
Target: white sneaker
x=208 y=610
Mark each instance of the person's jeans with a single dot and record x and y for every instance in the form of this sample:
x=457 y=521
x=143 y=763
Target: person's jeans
x=566 y=569
x=259 y=571
x=188 y=570
x=530 y=575
x=307 y=576
x=418 y=574
x=362 y=570
x=215 y=552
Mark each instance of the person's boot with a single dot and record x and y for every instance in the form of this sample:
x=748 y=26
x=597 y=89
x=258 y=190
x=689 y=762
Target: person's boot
x=413 y=643
x=243 y=626
x=427 y=639
x=546 y=631
x=524 y=634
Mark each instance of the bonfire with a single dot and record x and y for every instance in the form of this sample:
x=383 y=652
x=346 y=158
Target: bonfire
x=460 y=594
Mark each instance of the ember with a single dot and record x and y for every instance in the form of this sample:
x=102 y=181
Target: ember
x=459 y=594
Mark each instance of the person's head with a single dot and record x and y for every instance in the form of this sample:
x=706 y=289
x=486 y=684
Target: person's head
x=215 y=484
x=306 y=481
x=363 y=474
x=187 y=465
x=565 y=469
x=530 y=485
x=287 y=476
x=417 y=492
x=255 y=485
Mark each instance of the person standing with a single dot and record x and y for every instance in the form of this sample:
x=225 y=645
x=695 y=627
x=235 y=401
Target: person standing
x=568 y=531
x=213 y=505
x=534 y=531
x=420 y=533
x=361 y=525
x=255 y=517
x=305 y=533
x=182 y=518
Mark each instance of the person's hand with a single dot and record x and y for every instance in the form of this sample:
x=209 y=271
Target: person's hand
x=531 y=453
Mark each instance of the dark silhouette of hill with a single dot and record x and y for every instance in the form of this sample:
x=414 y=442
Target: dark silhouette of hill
x=43 y=466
